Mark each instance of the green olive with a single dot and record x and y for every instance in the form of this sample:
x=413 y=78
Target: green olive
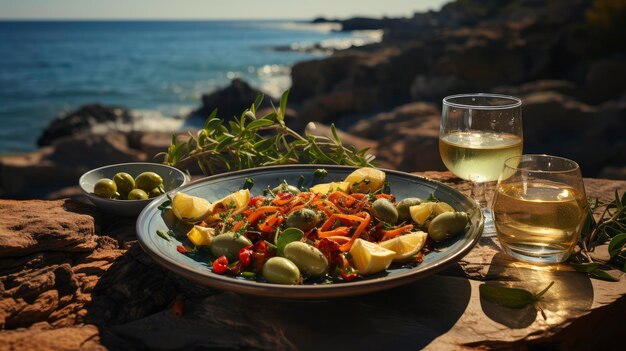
x=155 y=192
x=147 y=181
x=403 y=208
x=309 y=259
x=286 y=188
x=124 y=182
x=137 y=194
x=229 y=244
x=447 y=225
x=304 y=219
x=385 y=211
x=105 y=187
x=279 y=270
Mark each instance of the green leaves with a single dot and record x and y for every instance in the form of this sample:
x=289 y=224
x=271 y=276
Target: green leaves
x=593 y=270
x=617 y=244
x=610 y=227
x=510 y=297
x=251 y=141
x=287 y=236
x=163 y=234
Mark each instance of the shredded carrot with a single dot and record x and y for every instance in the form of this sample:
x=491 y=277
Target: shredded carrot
x=388 y=234
x=365 y=221
x=331 y=220
x=341 y=199
x=339 y=239
x=269 y=223
x=238 y=225
x=309 y=202
x=340 y=231
x=260 y=212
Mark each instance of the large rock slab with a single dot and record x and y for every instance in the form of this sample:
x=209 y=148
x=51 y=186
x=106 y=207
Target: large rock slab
x=43 y=226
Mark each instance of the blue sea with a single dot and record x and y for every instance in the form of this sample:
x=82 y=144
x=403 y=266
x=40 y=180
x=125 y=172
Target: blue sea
x=159 y=69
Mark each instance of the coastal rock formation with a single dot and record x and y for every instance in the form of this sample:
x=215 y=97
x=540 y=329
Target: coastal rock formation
x=84 y=120
x=230 y=101
x=408 y=136
x=52 y=168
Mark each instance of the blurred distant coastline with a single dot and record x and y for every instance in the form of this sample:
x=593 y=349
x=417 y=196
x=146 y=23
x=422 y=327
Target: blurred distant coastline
x=565 y=59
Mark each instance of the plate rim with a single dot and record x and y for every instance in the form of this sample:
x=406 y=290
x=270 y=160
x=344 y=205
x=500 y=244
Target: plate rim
x=302 y=291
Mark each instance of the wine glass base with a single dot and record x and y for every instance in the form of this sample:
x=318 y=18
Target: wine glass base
x=490 y=229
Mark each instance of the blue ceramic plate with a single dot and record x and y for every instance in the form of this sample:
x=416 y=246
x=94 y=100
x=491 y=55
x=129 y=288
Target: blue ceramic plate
x=403 y=185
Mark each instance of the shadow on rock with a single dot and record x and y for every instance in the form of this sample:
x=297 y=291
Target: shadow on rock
x=569 y=297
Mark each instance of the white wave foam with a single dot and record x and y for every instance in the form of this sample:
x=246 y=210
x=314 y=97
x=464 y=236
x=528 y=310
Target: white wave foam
x=305 y=26
x=145 y=120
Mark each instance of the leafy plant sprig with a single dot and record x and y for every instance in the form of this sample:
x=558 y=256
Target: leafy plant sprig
x=252 y=141
x=611 y=227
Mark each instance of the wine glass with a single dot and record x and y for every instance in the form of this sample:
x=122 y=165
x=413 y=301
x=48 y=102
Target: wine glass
x=478 y=133
x=539 y=207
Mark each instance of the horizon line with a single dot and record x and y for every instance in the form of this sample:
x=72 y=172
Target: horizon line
x=7 y=19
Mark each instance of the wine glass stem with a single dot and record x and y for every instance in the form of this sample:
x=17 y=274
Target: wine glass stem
x=478 y=194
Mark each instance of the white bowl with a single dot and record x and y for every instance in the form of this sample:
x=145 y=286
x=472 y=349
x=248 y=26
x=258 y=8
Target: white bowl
x=172 y=179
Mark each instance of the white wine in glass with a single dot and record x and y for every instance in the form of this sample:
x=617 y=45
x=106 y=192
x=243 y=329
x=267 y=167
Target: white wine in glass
x=539 y=207
x=478 y=133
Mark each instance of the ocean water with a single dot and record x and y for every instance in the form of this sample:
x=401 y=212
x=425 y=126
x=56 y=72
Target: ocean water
x=159 y=69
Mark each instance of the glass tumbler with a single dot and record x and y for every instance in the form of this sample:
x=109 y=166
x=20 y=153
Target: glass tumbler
x=539 y=208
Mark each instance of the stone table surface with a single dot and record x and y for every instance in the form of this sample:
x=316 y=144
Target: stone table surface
x=72 y=278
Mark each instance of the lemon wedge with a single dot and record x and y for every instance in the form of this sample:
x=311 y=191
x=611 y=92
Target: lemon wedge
x=366 y=180
x=406 y=245
x=189 y=208
x=201 y=236
x=238 y=201
x=327 y=188
x=427 y=210
x=369 y=257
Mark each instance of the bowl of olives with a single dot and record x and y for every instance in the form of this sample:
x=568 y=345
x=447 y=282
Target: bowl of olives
x=126 y=188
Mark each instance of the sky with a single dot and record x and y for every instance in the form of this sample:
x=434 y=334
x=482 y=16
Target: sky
x=210 y=9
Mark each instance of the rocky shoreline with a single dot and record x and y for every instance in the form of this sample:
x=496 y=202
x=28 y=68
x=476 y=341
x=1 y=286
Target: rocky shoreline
x=561 y=58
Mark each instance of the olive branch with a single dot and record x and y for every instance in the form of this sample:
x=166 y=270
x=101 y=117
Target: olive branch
x=251 y=141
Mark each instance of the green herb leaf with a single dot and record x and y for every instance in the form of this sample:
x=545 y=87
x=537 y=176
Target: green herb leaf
x=602 y=275
x=510 y=297
x=585 y=267
x=334 y=132
x=248 y=275
x=163 y=234
x=259 y=123
x=617 y=244
x=283 y=105
x=165 y=205
x=248 y=183
x=542 y=292
x=320 y=173
x=287 y=236
x=432 y=198
x=593 y=270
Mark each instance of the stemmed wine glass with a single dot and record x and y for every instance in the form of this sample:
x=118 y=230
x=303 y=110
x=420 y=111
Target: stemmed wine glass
x=478 y=133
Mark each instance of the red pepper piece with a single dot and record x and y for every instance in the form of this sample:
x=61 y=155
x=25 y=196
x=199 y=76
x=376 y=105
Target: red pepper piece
x=348 y=276
x=245 y=256
x=181 y=249
x=220 y=265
